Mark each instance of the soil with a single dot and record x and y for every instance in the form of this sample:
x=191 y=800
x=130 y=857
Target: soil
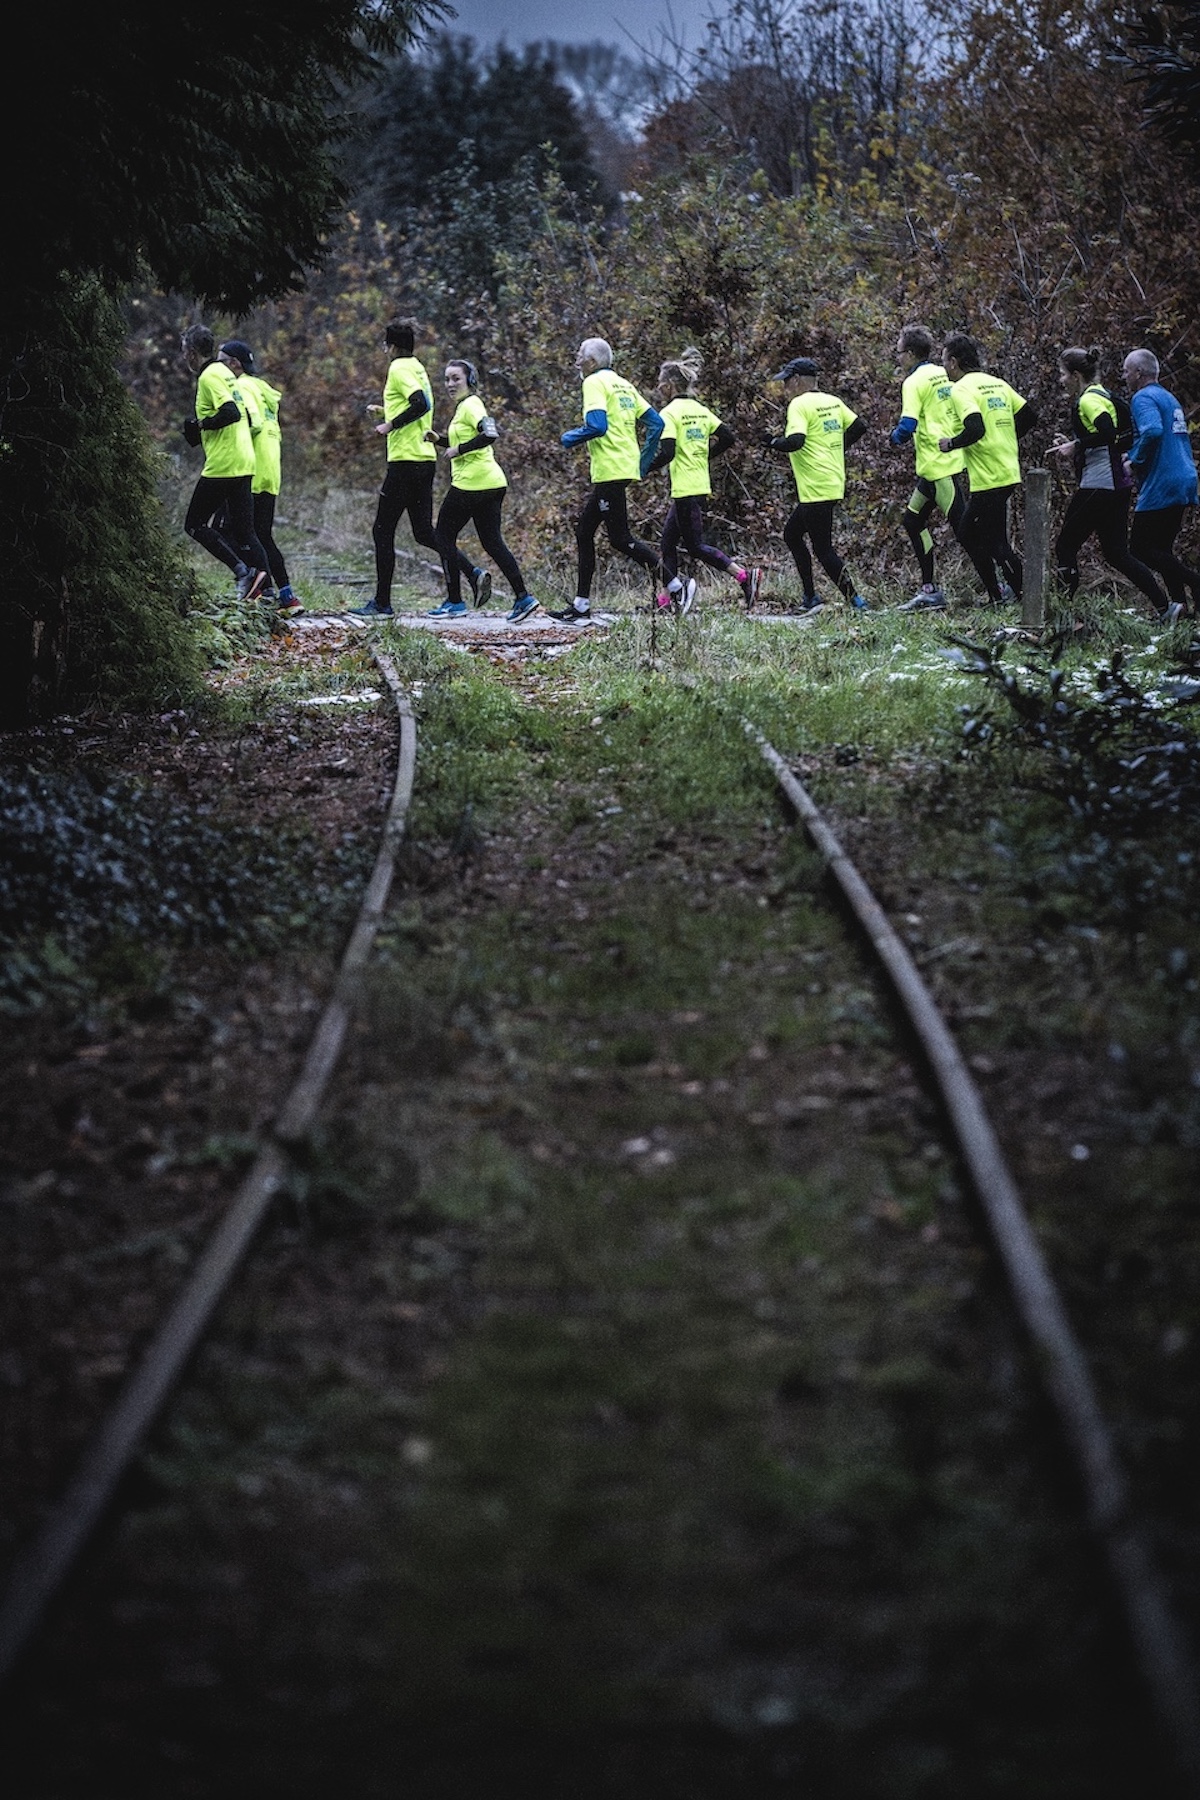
x=127 y=1125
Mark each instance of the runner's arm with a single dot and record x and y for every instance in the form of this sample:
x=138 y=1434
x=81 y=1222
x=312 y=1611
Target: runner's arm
x=1024 y=419
x=906 y=429
x=417 y=407
x=662 y=456
x=854 y=430
x=226 y=414
x=971 y=433
x=653 y=422
x=595 y=424
x=720 y=440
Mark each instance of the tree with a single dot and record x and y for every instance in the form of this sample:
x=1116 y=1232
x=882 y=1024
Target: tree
x=194 y=147
x=1163 y=52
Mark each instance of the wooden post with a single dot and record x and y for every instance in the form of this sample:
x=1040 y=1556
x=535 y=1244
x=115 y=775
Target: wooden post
x=1037 y=548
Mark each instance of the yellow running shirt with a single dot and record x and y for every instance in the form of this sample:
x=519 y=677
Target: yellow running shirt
x=994 y=461
x=820 y=465
x=690 y=424
x=617 y=455
x=268 y=449
x=925 y=397
x=229 y=450
x=473 y=470
x=405 y=375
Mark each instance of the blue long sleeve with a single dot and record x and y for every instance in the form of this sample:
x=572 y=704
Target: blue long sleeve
x=595 y=424
x=904 y=430
x=653 y=422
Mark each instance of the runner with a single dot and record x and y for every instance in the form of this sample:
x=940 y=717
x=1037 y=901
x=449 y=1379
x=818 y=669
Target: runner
x=612 y=408
x=991 y=419
x=927 y=415
x=268 y=463
x=1101 y=433
x=411 y=464
x=691 y=436
x=1164 y=472
x=476 y=494
x=819 y=427
x=220 y=516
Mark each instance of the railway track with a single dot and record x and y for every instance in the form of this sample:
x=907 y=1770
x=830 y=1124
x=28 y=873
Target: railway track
x=1160 y=1649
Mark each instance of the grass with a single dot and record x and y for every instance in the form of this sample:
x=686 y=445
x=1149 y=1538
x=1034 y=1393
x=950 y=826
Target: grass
x=627 y=1369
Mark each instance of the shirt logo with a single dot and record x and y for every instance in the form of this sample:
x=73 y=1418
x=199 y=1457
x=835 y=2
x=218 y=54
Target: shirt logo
x=996 y=403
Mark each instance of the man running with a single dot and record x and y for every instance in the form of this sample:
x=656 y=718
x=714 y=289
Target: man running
x=222 y=425
x=411 y=464
x=268 y=466
x=612 y=410
x=1164 y=471
x=992 y=418
x=819 y=426
x=927 y=415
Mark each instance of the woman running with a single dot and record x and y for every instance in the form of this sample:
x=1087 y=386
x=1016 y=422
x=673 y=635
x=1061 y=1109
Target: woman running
x=1099 y=507
x=476 y=496
x=818 y=430
x=691 y=436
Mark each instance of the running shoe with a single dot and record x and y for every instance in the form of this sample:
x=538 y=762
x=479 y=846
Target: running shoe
x=373 y=610
x=481 y=587
x=859 y=604
x=522 y=609
x=251 y=584
x=1171 y=613
x=1007 y=594
x=925 y=600
x=663 y=600
x=686 y=597
x=571 y=615
x=812 y=605
x=287 y=609
x=449 y=609
x=752 y=587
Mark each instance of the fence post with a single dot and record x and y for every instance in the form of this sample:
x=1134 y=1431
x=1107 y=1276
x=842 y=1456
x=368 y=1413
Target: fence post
x=1037 y=547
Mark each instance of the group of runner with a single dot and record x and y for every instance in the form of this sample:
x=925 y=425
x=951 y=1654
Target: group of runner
x=965 y=426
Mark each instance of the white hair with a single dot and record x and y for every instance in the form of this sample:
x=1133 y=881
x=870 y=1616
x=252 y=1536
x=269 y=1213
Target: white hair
x=1143 y=362
x=599 y=352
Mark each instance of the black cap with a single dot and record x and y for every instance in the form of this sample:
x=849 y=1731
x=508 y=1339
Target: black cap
x=243 y=352
x=799 y=365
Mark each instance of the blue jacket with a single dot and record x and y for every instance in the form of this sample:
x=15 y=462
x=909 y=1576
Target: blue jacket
x=1161 y=457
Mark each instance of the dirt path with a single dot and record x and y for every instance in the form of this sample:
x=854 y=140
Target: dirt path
x=623 y=1401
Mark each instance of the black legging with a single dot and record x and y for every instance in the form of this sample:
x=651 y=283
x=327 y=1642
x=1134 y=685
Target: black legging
x=264 y=525
x=220 y=518
x=407 y=488
x=948 y=494
x=607 y=503
x=813 y=519
x=480 y=507
x=685 y=523
x=1102 y=513
x=983 y=534
x=1152 y=538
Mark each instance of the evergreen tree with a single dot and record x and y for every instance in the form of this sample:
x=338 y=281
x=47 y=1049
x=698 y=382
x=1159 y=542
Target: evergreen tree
x=195 y=149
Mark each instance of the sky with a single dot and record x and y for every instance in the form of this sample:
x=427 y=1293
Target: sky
x=580 y=21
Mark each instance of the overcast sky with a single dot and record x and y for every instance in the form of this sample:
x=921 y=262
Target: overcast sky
x=581 y=21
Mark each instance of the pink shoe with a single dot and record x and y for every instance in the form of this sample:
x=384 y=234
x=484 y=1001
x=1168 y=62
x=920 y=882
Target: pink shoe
x=664 y=600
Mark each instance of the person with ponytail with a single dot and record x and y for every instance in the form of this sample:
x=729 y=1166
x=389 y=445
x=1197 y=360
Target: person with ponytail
x=1101 y=433
x=691 y=436
x=476 y=496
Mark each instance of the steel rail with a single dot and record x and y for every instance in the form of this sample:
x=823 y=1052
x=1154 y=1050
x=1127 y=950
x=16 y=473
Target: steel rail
x=1161 y=1650
x=41 y=1571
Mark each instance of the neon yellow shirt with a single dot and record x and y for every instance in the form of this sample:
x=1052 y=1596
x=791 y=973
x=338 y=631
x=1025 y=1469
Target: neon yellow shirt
x=475 y=470
x=820 y=465
x=617 y=455
x=925 y=397
x=405 y=375
x=691 y=425
x=268 y=449
x=230 y=450
x=994 y=461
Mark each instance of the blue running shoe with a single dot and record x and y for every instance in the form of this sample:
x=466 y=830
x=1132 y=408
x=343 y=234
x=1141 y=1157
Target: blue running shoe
x=449 y=609
x=859 y=604
x=522 y=609
x=372 y=610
